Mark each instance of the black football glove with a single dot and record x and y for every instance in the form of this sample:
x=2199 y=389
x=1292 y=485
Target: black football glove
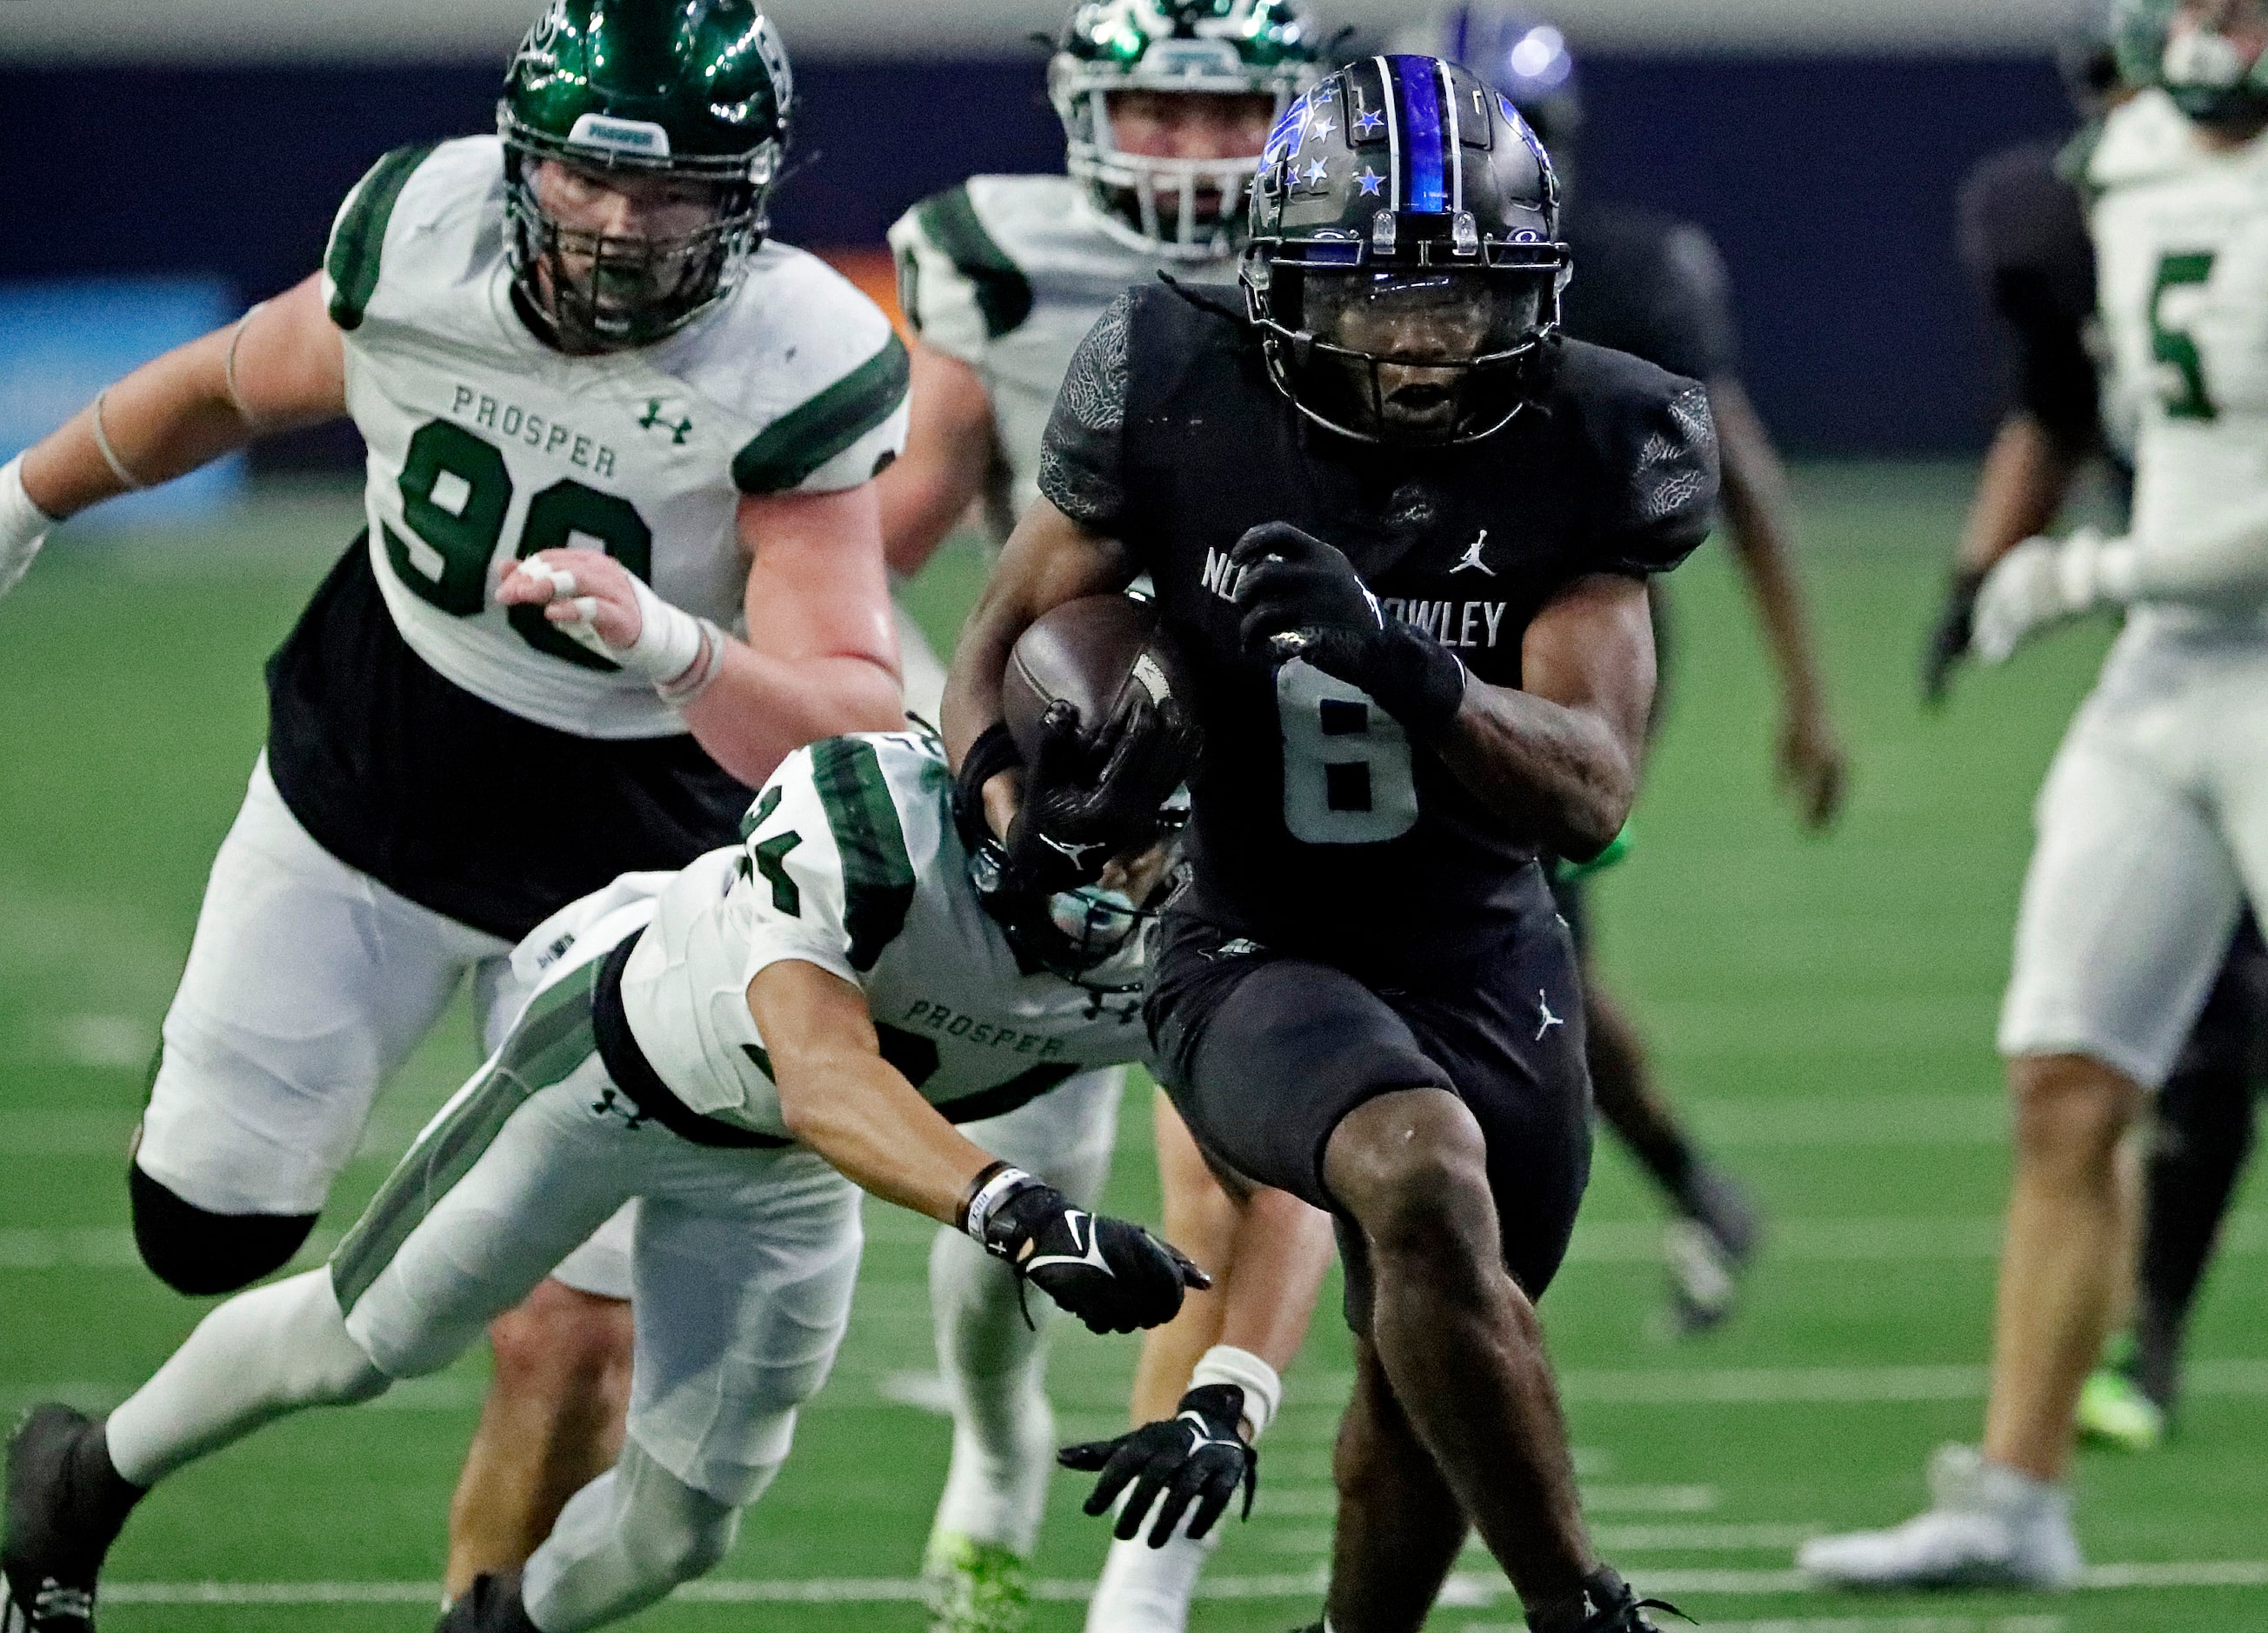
x=1196 y=1456
x=1083 y=801
x=1115 y=1276
x=1301 y=599
x=1949 y=636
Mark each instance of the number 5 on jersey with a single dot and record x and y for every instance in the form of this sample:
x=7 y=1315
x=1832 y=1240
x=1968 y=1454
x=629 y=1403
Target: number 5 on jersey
x=455 y=491
x=1346 y=761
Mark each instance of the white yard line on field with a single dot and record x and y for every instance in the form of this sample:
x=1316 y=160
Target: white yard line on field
x=1470 y=1590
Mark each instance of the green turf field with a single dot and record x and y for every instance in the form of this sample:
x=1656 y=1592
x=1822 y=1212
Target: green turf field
x=1824 y=1008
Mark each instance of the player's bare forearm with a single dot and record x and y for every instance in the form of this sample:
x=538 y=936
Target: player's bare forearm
x=1558 y=759
x=1050 y=560
x=949 y=450
x=2027 y=478
x=179 y=411
x=1760 y=518
x=839 y=1096
x=1283 y=1249
x=761 y=708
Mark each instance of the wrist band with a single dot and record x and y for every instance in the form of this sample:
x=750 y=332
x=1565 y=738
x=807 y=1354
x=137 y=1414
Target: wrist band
x=228 y=367
x=1263 y=1387
x=704 y=670
x=992 y=1187
x=127 y=479
x=23 y=525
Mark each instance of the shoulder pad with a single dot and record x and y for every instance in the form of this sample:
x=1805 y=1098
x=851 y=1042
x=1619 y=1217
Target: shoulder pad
x=2145 y=140
x=957 y=284
x=448 y=190
x=1656 y=443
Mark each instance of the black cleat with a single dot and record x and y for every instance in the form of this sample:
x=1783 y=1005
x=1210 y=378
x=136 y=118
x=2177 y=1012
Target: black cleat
x=66 y=1504
x=491 y=1605
x=1610 y=1606
x=1710 y=1248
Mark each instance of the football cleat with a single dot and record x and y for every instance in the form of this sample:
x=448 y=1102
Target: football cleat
x=976 y=1587
x=1709 y=1249
x=1989 y=1527
x=2114 y=1412
x=65 y=1506
x=491 y=1605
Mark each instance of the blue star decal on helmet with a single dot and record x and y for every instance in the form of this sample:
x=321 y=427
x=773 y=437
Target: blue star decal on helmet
x=1316 y=174
x=1370 y=182
x=1370 y=121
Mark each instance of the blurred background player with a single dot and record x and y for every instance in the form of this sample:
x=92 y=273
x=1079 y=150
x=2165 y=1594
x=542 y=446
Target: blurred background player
x=1655 y=287
x=1166 y=108
x=563 y=349
x=2023 y=232
x=2152 y=824
x=1394 y=378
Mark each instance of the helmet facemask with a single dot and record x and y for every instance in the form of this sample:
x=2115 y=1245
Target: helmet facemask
x=1177 y=208
x=2210 y=55
x=1412 y=357
x=598 y=291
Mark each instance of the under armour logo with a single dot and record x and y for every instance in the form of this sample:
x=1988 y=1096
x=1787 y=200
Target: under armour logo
x=611 y=1104
x=1550 y=1021
x=678 y=431
x=1472 y=557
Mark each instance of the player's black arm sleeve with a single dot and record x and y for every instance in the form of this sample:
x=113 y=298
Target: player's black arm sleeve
x=1064 y=547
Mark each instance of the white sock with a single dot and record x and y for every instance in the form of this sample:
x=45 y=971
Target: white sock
x=995 y=1372
x=1147 y=1590
x=264 y=1355
x=622 y=1543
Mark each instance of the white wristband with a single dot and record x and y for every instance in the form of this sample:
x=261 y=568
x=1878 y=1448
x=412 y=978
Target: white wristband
x=23 y=525
x=1264 y=1389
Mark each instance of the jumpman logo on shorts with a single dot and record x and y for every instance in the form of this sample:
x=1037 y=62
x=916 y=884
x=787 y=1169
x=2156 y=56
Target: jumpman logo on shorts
x=1550 y=1021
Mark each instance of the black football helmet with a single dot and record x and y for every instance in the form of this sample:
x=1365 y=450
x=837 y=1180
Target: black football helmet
x=1510 y=47
x=1405 y=264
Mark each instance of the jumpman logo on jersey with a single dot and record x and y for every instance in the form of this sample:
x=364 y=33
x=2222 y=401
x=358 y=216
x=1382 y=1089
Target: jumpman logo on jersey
x=678 y=431
x=1472 y=556
x=1550 y=1021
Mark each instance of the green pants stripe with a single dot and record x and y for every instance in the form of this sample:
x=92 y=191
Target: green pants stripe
x=551 y=1039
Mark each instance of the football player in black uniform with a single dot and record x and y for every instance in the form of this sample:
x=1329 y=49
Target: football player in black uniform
x=1655 y=287
x=1402 y=533
x=2023 y=233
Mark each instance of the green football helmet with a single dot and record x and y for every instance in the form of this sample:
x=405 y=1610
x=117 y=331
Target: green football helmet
x=694 y=90
x=2206 y=54
x=1219 y=48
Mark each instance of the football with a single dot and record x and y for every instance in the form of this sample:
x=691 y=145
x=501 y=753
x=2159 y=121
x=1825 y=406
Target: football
x=1087 y=653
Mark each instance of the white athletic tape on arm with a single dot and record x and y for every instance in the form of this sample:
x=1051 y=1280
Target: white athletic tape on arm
x=23 y=525
x=1264 y=1388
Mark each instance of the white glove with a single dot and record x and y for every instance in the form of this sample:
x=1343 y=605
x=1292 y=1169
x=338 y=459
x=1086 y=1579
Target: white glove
x=23 y=525
x=671 y=642
x=2042 y=582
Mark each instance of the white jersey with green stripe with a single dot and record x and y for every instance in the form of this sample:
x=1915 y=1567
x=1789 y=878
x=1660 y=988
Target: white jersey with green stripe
x=2180 y=241
x=1007 y=274
x=852 y=862
x=486 y=444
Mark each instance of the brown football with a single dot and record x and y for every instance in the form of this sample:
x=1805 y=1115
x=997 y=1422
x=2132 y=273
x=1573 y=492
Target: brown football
x=1088 y=653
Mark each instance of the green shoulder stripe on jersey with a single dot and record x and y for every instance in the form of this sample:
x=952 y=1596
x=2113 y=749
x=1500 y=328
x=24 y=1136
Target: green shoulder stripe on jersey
x=806 y=437
x=359 y=240
x=878 y=874
x=1003 y=294
x=551 y=1039
x=2076 y=156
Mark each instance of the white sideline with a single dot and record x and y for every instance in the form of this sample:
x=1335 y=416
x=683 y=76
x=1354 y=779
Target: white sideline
x=1470 y=1589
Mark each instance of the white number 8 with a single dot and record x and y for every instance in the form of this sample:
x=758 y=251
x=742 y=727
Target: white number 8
x=1346 y=761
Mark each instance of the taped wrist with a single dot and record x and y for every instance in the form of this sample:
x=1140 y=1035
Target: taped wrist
x=23 y=525
x=1261 y=1386
x=669 y=650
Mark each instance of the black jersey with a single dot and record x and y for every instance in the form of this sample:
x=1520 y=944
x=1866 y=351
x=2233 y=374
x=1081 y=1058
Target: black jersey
x=445 y=799
x=1650 y=285
x=2023 y=235
x=1318 y=827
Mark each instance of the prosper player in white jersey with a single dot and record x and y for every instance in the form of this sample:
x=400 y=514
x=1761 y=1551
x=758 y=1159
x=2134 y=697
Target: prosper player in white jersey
x=1165 y=106
x=621 y=556
x=739 y=1047
x=2152 y=824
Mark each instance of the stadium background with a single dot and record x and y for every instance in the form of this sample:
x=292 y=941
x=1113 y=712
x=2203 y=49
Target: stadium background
x=1824 y=1008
